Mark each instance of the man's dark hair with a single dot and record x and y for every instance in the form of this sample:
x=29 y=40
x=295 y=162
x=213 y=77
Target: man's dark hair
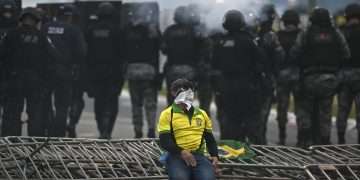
x=179 y=84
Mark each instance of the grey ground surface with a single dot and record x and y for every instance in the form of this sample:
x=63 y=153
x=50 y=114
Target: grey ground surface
x=124 y=129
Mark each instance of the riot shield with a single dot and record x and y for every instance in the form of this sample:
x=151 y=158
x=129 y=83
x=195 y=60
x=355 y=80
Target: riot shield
x=88 y=10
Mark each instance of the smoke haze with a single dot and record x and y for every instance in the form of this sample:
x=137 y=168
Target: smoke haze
x=212 y=11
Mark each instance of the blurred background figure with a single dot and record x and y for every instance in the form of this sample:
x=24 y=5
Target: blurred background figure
x=105 y=68
x=69 y=40
x=288 y=74
x=217 y=82
x=183 y=47
x=350 y=87
x=8 y=20
x=27 y=56
x=274 y=54
x=77 y=102
x=320 y=52
x=238 y=59
x=204 y=89
x=141 y=52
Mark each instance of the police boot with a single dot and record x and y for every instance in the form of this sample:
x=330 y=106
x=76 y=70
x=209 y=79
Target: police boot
x=151 y=133
x=282 y=135
x=325 y=140
x=341 y=137
x=138 y=132
x=71 y=131
x=300 y=138
x=105 y=132
x=304 y=139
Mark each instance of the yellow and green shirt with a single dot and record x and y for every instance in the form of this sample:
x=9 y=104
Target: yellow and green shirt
x=188 y=133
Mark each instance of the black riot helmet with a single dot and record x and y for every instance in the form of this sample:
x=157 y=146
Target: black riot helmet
x=290 y=17
x=7 y=6
x=105 y=10
x=267 y=13
x=31 y=13
x=352 y=11
x=321 y=17
x=181 y=15
x=234 y=21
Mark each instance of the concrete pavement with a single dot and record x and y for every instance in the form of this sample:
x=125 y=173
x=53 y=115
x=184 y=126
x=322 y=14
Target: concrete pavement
x=124 y=129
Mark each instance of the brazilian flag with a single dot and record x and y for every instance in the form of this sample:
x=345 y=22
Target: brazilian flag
x=230 y=149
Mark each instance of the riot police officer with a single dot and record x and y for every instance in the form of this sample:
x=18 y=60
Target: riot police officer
x=239 y=60
x=216 y=82
x=320 y=51
x=288 y=74
x=204 y=67
x=27 y=57
x=105 y=68
x=8 y=20
x=142 y=45
x=77 y=103
x=350 y=88
x=274 y=54
x=184 y=48
x=69 y=41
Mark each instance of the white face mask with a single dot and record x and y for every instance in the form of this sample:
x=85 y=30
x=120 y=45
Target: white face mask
x=185 y=97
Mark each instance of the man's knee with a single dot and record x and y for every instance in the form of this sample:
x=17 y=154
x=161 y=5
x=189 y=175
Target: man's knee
x=177 y=169
x=204 y=169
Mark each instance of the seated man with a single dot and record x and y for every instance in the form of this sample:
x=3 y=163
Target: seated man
x=183 y=131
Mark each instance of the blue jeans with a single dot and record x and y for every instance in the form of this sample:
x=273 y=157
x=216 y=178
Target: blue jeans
x=178 y=170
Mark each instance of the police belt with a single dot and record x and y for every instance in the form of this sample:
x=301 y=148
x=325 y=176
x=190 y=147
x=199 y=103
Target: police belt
x=319 y=69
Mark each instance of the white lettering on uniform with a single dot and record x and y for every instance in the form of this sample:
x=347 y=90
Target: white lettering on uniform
x=101 y=33
x=56 y=30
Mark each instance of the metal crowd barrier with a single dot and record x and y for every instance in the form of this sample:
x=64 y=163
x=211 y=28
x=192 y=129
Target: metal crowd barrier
x=339 y=154
x=334 y=171
x=65 y=158
x=38 y=158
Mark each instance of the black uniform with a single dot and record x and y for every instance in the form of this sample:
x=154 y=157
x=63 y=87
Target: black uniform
x=237 y=56
x=27 y=57
x=77 y=103
x=8 y=20
x=216 y=83
x=350 y=87
x=105 y=72
x=274 y=53
x=239 y=60
x=204 y=88
x=204 y=70
x=287 y=79
x=69 y=41
x=320 y=51
x=142 y=44
x=184 y=47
